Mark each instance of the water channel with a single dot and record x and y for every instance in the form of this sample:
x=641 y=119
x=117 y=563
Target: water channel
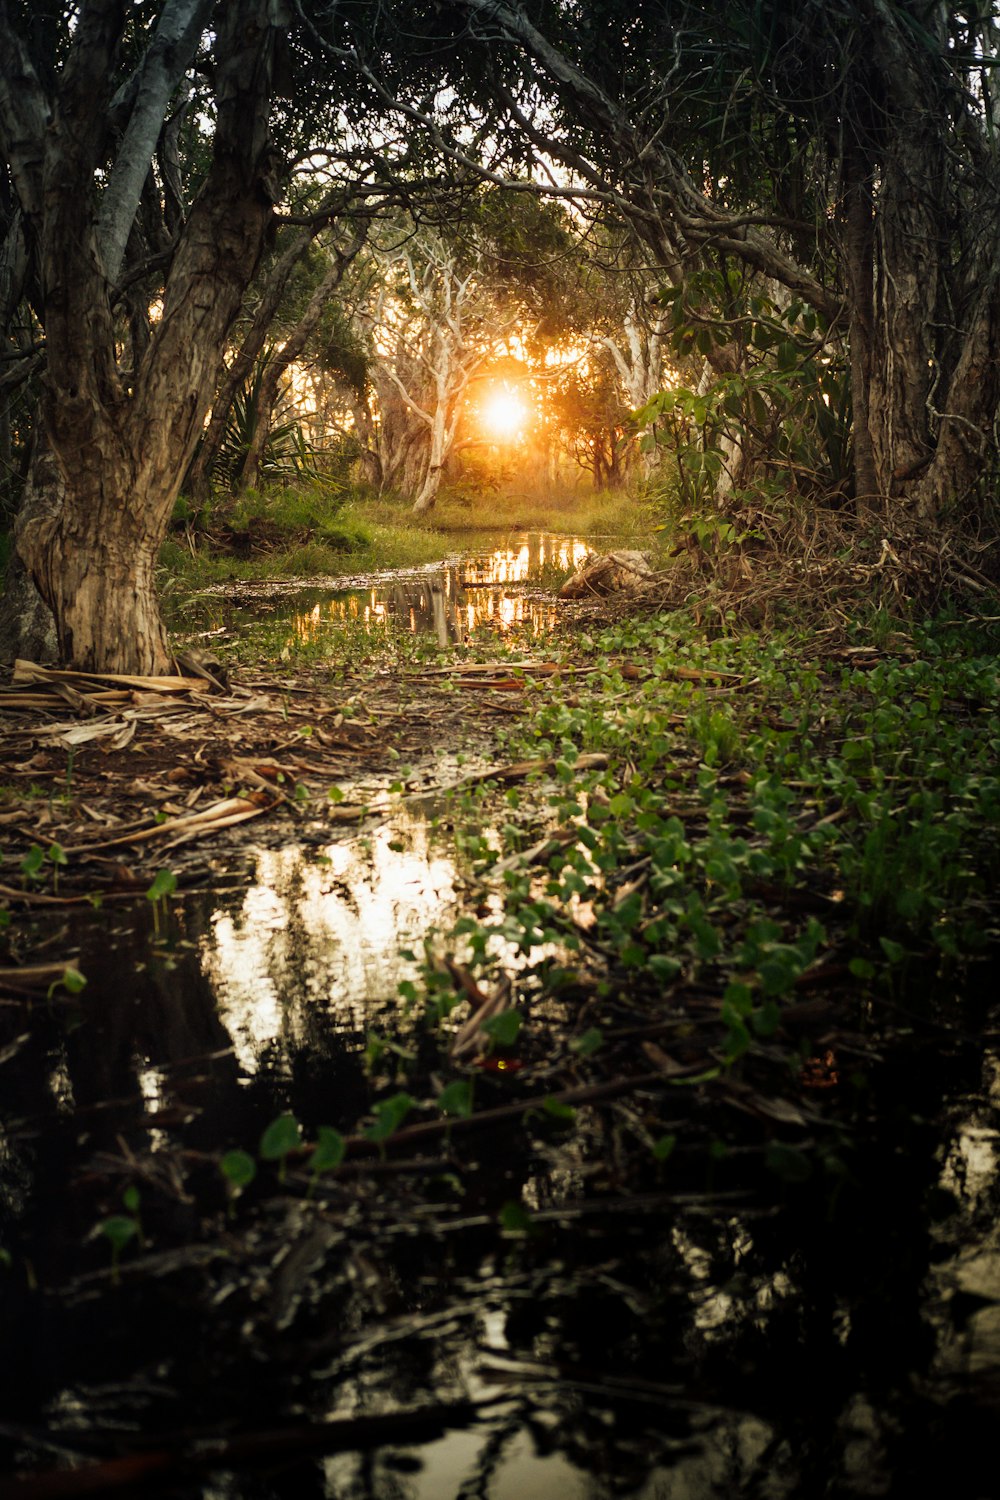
x=684 y=1348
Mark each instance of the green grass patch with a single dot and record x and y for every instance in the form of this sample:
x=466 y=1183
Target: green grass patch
x=621 y=515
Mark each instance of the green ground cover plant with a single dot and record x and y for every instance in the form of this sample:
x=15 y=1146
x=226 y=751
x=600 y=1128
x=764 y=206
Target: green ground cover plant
x=719 y=829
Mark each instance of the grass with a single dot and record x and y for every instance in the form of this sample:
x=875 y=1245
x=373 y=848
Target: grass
x=621 y=515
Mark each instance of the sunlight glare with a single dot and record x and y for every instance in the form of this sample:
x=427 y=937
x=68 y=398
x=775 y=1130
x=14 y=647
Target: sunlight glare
x=505 y=414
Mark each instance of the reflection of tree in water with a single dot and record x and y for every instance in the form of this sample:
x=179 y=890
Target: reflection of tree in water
x=491 y=588
x=430 y=605
x=776 y=1351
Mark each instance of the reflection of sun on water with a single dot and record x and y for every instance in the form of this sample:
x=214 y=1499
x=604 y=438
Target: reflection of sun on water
x=432 y=599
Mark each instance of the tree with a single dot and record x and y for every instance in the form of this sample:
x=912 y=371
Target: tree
x=436 y=322
x=847 y=153
x=445 y=301
x=591 y=416
x=114 y=442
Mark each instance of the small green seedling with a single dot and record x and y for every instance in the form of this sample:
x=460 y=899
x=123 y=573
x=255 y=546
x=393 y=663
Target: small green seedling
x=503 y=1029
x=328 y=1153
x=239 y=1169
x=588 y=1042
x=664 y=1147
x=164 y=885
x=389 y=1115
x=72 y=982
x=515 y=1220
x=565 y=1114
x=56 y=855
x=456 y=1099
x=120 y=1229
x=279 y=1140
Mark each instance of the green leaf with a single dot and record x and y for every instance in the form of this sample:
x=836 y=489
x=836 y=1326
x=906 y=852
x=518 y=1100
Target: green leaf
x=767 y=1019
x=32 y=862
x=664 y=1147
x=329 y=1150
x=131 y=1198
x=504 y=1028
x=557 y=1110
x=515 y=1219
x=894 y=952
x=73 y=980
x=164 y=884
x=456 y=1099
x=739 y=997
x=588 y=1042
x=861 y=968
x=389 y=1115
x=281 y=1136
x=119 y=1229
x=662 y=968
x=238 y=1168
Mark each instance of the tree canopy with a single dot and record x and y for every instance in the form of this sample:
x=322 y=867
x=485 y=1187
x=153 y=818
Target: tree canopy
x=827 y=169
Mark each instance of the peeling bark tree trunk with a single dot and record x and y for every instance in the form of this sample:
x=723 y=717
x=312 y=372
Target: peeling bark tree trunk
x=95 y=520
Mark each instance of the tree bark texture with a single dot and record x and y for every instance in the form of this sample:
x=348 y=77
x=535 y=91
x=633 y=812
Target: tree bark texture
x=858 y=259
x=100 y=502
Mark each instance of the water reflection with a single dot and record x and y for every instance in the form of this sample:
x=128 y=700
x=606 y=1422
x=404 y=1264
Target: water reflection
x=451 y=600
x=322 y=933
x=846 y=1343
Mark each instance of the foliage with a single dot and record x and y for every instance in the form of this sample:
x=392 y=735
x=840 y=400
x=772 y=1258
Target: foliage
x=773 y=429
x=287 y=458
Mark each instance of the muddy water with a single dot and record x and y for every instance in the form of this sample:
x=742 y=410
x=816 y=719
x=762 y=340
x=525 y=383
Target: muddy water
x=504 y=582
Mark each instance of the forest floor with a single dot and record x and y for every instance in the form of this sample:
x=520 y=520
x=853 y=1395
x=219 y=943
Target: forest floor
x=719 y=890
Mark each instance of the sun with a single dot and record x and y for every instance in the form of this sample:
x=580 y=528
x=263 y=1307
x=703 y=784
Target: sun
x=504 y=414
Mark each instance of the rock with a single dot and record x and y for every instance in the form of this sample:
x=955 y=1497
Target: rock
x=608 y=573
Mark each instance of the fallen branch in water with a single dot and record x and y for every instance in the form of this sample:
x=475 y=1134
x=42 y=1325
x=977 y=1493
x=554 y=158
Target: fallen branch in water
x=594 y=1093
x=341 y=1435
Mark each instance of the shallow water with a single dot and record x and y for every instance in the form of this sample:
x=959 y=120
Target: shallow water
x=499 y=585
x=847 y=1343
x=712 y=1337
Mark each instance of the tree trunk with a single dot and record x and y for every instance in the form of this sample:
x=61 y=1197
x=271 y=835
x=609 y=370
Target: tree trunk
x=935 y=376
x=198 y=482
x=858 y=257
x=438 y=450
x=102 y=499
x=93 y=554
x=287 y=355
x=26 y=625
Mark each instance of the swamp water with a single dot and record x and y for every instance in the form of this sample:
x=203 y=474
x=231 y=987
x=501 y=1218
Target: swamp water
x=498 y=585
x=705 y=1338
